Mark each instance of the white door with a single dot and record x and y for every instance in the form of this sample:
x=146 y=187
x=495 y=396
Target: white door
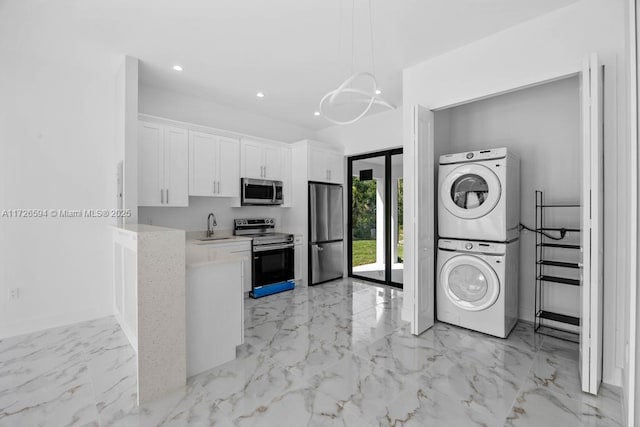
x=228 y=167
x=317 y=165
x=176 y=167
x=203 y=153
x=591 y=225
x=273 y=163
x=252 y=160
x=469 y=283
x=423 y=220
x=150 y=165
x=470 y=191
x=335 y=166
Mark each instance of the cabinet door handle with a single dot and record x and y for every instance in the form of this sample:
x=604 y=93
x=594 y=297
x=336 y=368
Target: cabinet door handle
x=218 y=187
x=214 y=187
x=161 y=196
x=167 y=190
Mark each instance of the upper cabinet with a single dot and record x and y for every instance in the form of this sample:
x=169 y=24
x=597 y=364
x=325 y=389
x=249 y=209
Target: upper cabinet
x=214 y=165
x=262 y=160
x=325 y=165
x=163 y=165
x=177 y=160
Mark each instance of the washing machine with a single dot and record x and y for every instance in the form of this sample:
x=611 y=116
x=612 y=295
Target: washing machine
x=479 y=195
x=478 y=285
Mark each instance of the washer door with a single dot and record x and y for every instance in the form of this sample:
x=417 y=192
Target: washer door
x=470 y=191
x=469 y=282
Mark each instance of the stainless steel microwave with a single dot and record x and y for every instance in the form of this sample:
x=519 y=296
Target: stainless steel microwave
x=260 y=192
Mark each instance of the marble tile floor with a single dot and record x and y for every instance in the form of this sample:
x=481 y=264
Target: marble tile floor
x=331 y=355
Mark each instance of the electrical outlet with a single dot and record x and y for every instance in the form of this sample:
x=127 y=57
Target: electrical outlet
x=14 y=293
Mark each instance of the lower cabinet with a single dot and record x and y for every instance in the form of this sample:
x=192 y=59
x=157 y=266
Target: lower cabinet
x=214 y=302
x=243 y=249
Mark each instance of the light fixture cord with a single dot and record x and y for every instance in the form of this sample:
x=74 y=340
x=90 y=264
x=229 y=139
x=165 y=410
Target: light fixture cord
x=373 y=63
x=353 y=38
x=340 y=29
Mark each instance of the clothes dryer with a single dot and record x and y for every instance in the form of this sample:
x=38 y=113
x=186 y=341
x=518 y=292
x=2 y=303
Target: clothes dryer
x=479 y=195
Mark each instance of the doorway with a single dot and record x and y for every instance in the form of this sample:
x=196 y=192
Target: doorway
x=375 y=217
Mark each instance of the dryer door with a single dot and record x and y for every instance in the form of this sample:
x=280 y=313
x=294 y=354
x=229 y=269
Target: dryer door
x=469 y=282
x=470 y=191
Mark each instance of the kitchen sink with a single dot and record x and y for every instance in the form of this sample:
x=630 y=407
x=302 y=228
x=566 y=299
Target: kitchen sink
x=209 y=239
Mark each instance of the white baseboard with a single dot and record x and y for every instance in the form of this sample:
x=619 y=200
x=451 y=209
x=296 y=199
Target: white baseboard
x=12 y=329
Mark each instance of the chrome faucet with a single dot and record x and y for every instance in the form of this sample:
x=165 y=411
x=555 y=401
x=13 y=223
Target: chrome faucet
x=211 y=222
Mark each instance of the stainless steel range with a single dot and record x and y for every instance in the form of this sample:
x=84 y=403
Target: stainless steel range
x=272 y=253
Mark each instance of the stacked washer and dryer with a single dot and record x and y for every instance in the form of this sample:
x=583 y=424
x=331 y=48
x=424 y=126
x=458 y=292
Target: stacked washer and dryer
x=478 y=246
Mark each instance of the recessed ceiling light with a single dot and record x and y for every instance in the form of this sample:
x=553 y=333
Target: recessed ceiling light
x=317 y=113
x=260 y=95
x=378 y=91
x=177 y=68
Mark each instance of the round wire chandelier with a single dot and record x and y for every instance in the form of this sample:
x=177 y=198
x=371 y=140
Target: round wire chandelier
x=350 y=94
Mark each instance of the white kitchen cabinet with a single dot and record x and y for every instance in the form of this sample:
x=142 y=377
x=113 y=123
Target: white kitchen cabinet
x=214 y=318
x=214 y=165
x=262 y=160
x=335 y=166
x=273 y=163
x=243 y=249
x=240 y=247
x=325 y=165
x=163 y=165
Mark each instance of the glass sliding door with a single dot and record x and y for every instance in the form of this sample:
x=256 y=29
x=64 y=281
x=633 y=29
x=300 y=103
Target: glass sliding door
x=368 y=180
x=375 y=217
x=397 y=229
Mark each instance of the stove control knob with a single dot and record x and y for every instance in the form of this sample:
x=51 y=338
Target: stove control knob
x=469 y=156
x=468 y=246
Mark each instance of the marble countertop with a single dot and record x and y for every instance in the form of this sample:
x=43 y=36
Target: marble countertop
x=219 y=237
x=144 y=228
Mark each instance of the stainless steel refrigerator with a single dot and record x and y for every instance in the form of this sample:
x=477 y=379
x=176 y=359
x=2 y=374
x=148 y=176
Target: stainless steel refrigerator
x=326 y=232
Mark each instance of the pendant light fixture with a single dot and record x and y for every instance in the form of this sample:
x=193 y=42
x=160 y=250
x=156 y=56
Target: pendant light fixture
x=359 y=89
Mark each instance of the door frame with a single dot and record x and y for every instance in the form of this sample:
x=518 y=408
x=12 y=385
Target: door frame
x=387 y=215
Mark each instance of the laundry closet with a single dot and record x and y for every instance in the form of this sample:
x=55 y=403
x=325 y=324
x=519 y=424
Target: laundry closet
x=541 y=125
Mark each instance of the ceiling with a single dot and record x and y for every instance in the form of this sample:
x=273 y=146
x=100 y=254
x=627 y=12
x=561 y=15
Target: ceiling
x=292 y=50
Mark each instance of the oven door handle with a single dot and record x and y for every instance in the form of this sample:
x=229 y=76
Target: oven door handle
x=274 y=192
x=272 y=247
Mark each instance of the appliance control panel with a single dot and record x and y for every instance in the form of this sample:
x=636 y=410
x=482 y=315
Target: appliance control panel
x=244 y=226
x=261 y=222
x=474 y=156
x=472 y=246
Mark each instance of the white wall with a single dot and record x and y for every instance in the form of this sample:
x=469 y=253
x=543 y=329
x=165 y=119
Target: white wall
x=542 y=126
x=172 y=105
x=631 y=383
x=194 y=217
x=130 y=114
x=57 y=151
x=542 y=49
x=372 y=133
